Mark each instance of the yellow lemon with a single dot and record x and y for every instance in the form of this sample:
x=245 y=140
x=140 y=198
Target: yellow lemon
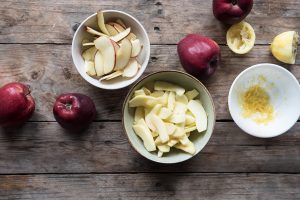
x=240 y=37
x=284 y=47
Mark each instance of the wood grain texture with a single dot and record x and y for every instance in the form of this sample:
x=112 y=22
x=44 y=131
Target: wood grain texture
x=166 y=21
x=49 y=70
x=104 y=148
x=151 y=186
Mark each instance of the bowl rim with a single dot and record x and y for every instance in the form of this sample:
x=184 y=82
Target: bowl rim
x=158 y=72
x=147 y=49
x=229 y=98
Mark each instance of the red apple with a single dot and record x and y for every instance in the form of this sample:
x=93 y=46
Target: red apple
x=16 y=104
x=231 y=11
x=74 y=111
x=199 y=55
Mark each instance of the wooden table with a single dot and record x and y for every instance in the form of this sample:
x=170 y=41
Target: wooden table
x=42 y=161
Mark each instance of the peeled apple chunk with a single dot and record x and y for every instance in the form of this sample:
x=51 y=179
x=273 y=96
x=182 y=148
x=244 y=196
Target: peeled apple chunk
x=160 y=128
x=161 y=85
x=189 y=147
x=240 y=37
x=284 y=47
x=145 y=134
x=142 y=100
x=198 y=111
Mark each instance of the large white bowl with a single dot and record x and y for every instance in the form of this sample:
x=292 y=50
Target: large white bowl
x=110 y=15
x=284 y=91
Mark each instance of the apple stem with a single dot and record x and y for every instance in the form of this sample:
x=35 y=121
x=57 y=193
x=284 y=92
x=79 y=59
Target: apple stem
x=28 y=91
x=69 y=106
x=234 y=2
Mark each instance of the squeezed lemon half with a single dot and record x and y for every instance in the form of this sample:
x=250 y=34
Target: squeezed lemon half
x=284 y=47
x=240 y=37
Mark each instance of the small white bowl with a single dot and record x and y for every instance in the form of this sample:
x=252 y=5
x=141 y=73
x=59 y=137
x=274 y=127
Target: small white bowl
x=284 y=91
x=110 y=15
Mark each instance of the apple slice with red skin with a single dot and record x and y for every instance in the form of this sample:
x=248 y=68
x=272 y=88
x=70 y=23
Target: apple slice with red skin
x=136 y=47
x=111 y=29
x=101 y=23
x=17 y=105
x=131 y=69
x=120 y=36
x=117 y=26
x=99 y=64
x=106 y=47
x=123 y=54
x=119 y=21
x=74 y=111
x=111 y=76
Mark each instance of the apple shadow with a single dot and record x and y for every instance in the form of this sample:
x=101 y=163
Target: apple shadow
x=11 y=133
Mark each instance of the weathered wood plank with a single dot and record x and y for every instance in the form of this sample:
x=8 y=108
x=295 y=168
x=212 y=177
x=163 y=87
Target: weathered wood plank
x=151 y=186
x=46 y=148
x=51 y=21
x=49 y=70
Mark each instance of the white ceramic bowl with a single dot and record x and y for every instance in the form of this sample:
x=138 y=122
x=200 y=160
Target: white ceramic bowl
x=284 y=91
x=110 y=15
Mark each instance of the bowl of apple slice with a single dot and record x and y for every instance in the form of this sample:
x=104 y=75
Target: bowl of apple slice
x=168 y=116
x=110 y=49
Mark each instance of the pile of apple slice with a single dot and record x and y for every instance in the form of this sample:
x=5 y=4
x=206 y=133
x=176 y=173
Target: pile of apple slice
x=113 y=52
x=166 y=115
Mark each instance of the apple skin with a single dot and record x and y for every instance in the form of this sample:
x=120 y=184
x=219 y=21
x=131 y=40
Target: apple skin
x=74 y=111
x=231 y=11
x=17 y=105
x=199 y=55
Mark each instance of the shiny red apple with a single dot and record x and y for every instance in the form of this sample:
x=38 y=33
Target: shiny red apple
x=16 y=104
x=199 y=55
x=74 y=111
x=231 y=11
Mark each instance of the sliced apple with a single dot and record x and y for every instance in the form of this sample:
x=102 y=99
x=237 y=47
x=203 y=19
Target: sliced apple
x=119 y=21
x=179 y=132
x=131 y=36
x=111 y=29
x=116 y=46
x=159 y=154
x=106 y=47
x=182 y=99
x=142 y=100
x=160 y=128
x=163 y=148
x=172 y=142
x=189 y=119
x=120 y=36
x=165 y=113
x=139 y=92
x=153 y=111
x=90 y=68
x=139 y=114
x=94 y=32
x=88 y=44
x=117 y=26
x=157 y=93
x=144 y=133
x=101 y=23
x=89 y=54
x=191 y=94
x=189 y=147
x=123 y=54
x=171 y=101
x=176 y=118
x=179 y=108
x=165 y=86
x=190 y=129
x=111 y=76
x=131 y=69
x=136 y=47
x=171 y=128
x=198 y=111
x=99 y=67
